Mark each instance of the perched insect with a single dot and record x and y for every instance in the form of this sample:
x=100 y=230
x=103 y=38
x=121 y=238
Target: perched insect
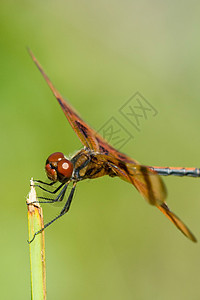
x=97 y=159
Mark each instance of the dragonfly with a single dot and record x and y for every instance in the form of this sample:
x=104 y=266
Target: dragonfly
x=98 y=158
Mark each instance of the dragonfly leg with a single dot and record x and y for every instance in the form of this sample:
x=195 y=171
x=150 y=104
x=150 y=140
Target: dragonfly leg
x=46 y=183
x=51 y=192
x=59 y=198
x=63 y=211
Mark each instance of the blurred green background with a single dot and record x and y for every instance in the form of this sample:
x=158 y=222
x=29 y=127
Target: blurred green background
x=111 y=245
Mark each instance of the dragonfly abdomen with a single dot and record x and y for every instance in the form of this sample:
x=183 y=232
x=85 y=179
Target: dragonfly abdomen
x=167 y=171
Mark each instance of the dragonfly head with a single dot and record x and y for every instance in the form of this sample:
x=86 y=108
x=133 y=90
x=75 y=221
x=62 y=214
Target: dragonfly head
x=58 y=168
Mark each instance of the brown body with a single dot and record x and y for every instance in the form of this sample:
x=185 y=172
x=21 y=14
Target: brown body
x=90 y=165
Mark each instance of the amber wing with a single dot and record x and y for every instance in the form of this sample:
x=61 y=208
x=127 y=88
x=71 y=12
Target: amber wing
x=151 y=187
x=89 y=137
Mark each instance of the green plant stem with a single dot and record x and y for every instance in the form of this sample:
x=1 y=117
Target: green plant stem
x=36 y=247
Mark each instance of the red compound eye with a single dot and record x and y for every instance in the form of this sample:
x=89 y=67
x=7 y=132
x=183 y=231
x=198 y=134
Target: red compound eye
x=55 y=157
x=64 y=169
x=51 y=173
x=58 y=168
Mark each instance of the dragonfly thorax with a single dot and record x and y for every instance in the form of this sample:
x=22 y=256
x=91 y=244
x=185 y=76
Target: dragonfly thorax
x=58 y=167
